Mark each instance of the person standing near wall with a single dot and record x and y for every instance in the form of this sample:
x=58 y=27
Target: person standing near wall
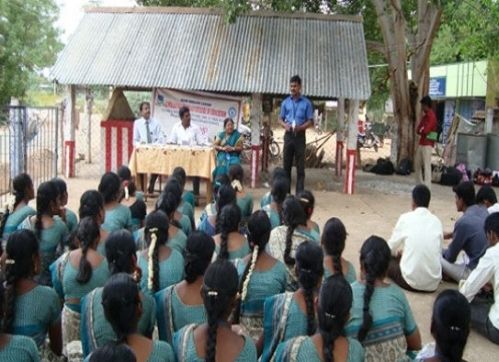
x=426 y=129
x=296 y=116
x=147 y=130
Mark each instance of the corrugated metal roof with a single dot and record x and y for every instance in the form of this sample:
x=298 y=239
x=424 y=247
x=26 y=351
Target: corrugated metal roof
x=195 y=49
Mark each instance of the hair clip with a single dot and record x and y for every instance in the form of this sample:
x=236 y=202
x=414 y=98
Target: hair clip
x=10 y=261
x=212 y=293
x=455 y=328
x=304 y=200
x=330 y=316
x=153 y=230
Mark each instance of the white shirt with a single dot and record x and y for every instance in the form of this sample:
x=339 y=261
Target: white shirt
x=186 y=136
x=140 y=132
x=493 y=208
x=486 y=271
x=420 y=234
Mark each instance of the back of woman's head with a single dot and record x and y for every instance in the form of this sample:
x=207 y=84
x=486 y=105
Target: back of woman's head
x=218 y=292
x=156 y=234
x=375 y=258
x=113 y=352
x=88 y=235
x=168 y=202
x=21 y=185
x=120 y=300
x=236 y=172
x=259 y=229
x=227 y=222
x=180 y=174
x=20 y=254
x=309 y=269
x=198 y=254
x=110 y=187
x=279 y=191
x=307 y=201
x=333 y=240
x=279 y=172
x=46 y=200
x=91 y=204
x=293 y=215
x=220 y=181
x=225 y=196
x=61 y=185
x=124 y=173
x=450 y=324
x=120 y=251
x=333 y=311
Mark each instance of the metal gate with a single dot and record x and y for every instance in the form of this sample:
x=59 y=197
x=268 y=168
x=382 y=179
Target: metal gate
x=29 y=142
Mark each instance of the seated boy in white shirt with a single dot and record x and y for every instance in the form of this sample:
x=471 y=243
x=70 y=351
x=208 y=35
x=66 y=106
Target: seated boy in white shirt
x=416 y=245
x=485 y=313
x=487 y=197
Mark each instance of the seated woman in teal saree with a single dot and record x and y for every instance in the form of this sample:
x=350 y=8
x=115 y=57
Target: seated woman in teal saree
x=229 y=145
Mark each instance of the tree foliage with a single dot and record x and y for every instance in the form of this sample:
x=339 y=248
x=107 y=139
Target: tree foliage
x=469 y=31
x=30 y=43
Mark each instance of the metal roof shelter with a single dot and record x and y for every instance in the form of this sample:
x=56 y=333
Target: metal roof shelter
x=196 y=49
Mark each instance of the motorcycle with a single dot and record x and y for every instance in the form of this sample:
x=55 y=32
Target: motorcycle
x=368 y=140
x=274 y=148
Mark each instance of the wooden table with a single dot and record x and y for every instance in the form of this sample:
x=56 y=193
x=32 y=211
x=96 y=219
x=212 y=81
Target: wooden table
x=154 y=159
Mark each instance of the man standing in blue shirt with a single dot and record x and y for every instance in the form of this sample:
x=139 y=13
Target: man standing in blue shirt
x=296 y=116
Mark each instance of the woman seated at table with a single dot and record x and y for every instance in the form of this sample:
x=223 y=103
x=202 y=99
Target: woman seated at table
x=229 y=145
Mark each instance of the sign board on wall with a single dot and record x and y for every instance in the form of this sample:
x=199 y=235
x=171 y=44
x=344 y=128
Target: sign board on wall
x=437 y=87
x=208 y=110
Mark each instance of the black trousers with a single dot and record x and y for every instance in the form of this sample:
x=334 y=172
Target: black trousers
x=294 y=150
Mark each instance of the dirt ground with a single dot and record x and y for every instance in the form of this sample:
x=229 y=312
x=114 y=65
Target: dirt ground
x=374 y=209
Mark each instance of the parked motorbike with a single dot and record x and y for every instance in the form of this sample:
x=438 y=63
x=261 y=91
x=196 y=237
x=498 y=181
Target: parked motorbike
x=368 y=140
x=274 y=148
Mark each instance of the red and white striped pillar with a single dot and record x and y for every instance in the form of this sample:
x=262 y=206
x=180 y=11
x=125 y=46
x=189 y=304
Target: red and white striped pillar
x=69 y=159
x=256 y=117
x=69 y=133
x=117 y=138
x=353 y=115
x=255 y=160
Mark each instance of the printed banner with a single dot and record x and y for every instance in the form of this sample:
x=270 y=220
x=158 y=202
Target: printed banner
x=208 y=111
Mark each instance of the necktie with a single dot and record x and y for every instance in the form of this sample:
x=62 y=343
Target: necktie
x=148 y=132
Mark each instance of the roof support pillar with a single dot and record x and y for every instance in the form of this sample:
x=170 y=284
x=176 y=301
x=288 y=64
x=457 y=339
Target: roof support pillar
x=340 y=136
x=69 y=132
x=256 y=116
x=353 y=115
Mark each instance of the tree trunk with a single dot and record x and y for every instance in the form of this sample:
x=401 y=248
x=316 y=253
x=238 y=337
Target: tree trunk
x=406 y=95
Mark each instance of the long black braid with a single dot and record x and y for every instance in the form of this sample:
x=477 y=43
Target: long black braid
x=259 y=229
x=198 y=254
x=310 y=269
x=88 y=235
x=21 y=184
x=229 y=221
x=333 y=241
x=335 y=301
x=219 y=291
x=226 y=196
x=22 y=247
x=374 y=258
x=294 y=216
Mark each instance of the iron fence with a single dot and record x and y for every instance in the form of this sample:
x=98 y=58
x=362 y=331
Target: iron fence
x=29 y=142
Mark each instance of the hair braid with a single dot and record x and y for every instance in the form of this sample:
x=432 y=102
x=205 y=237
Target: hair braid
x=244 y=283
x=211 y=342
x=224 y=248
x=337 y=264
x=327 y=345
x=288 y=259
x=308 y=294
x=88 y=234
x=367 y=320
x=10 y=300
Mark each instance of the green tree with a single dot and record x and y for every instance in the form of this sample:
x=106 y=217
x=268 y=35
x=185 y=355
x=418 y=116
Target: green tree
x=30 y=43
x=469 y=31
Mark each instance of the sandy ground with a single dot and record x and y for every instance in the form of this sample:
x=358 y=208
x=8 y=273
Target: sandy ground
x=374 y=209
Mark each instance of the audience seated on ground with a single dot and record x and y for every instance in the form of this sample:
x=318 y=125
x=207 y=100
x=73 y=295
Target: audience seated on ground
x=279 y=192
x=118 y=216
x=416 y=245
x=307 y=200
x=68 y=216
x=468 y=235
x=230 y=244
x=484 y=309
x=244 y=198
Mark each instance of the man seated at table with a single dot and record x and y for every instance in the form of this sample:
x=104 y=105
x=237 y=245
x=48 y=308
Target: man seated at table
x=185 y=133
x=147 y=130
